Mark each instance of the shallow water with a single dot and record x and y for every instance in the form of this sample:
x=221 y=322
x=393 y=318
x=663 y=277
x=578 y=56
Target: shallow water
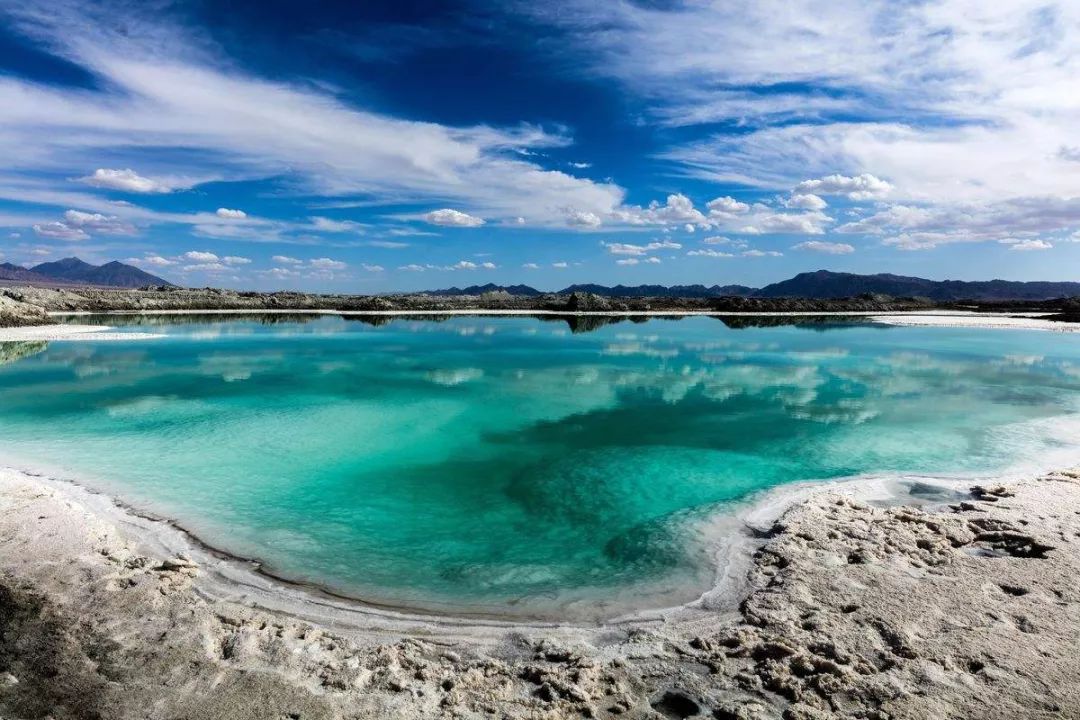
x=509 y=464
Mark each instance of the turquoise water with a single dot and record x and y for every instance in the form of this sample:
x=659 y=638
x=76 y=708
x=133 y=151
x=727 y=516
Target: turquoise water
x=516 y=464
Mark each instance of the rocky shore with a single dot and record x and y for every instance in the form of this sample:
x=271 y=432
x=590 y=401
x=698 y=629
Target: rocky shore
x=966 y=607
x=30 y=303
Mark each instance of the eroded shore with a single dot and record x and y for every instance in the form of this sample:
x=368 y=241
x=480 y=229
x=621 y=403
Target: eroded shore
x=965 y=607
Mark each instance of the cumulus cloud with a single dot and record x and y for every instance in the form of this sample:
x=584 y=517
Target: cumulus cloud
x=59 y=231
x=677 y=209
x=412 y=268
x=709 y=252
x=762 y=253
x=583 y=218
x=234 y=260
x=200 y=256
x=212 y=267
x=448 y=217
x=631 y=249
x=560 y=265
x=627 y=261
x=326 y=264
x=231 y=214
x=828 y=248
x=96 y=222
x=531 y=266
x=325 y=224
x=860 y=187
x=1026 y=245
x=766 y=221
x=726 y=205
x=126 y=180
x=805 y=201
x=387 y=244
x=280 y=273
x=372 y=268
x=286 y=260
x=152 y=260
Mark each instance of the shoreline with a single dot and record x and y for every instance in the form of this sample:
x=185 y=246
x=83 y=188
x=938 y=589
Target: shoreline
x=946 y=601
x=943 y=319
x=741 y=529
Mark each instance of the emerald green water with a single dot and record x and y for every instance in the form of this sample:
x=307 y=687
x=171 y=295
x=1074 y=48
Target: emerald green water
x=508 y=463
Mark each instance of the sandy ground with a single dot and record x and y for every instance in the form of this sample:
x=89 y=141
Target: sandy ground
x=59 y=332
x=965 y=607
x=1029 y=321
x=52 y=333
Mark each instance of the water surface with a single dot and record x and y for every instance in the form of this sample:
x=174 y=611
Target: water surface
x=516 y=464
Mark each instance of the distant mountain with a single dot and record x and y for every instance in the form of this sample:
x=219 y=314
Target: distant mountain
x=113 y=274
x=523 y=290
x=824 y=284
x=20 y=274
x=682 y=291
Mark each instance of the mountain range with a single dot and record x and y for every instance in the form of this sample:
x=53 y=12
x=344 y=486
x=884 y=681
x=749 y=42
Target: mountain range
x=73 y=271
x=822 y=284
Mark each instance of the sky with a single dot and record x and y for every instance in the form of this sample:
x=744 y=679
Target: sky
x=407 y=145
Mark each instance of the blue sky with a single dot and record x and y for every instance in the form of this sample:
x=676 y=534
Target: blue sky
x=373 y=146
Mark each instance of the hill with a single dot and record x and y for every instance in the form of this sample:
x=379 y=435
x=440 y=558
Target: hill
x=522 y=290
x=825 y=284
x=113 y=274
x=820 y=285
x=19 y=274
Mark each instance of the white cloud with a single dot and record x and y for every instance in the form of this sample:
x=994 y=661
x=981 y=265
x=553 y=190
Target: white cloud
x=653 y=260
x=766 y=221
x=726 y=205
x=233 y=260
x=326 y=264
x=531 y=266
x=96 y=222
x=412 y=268
x=200 y=256
x=709 y=252
x=805 y=201
x=829 y=248
x=387 y=244
x=627 y=261
x=583 y=218
x=154 y=260
x=631 y=249
x=372 y=268
x=231 y=214
x=159 y=86
x=560 y=265
x=59 y=231
x=448 y=217
x=953 y=102
x=762 y=253
x=677 y=209
x=723 y=240
x=286 y=260
x=1025 y=245
x=212 y=267
x=280 y=273
x=325 y=224
x=860 y=187
x=126 y=180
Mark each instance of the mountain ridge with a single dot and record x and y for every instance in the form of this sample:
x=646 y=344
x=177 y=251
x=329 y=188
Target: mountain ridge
x=73 y=271
x=819 y=285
